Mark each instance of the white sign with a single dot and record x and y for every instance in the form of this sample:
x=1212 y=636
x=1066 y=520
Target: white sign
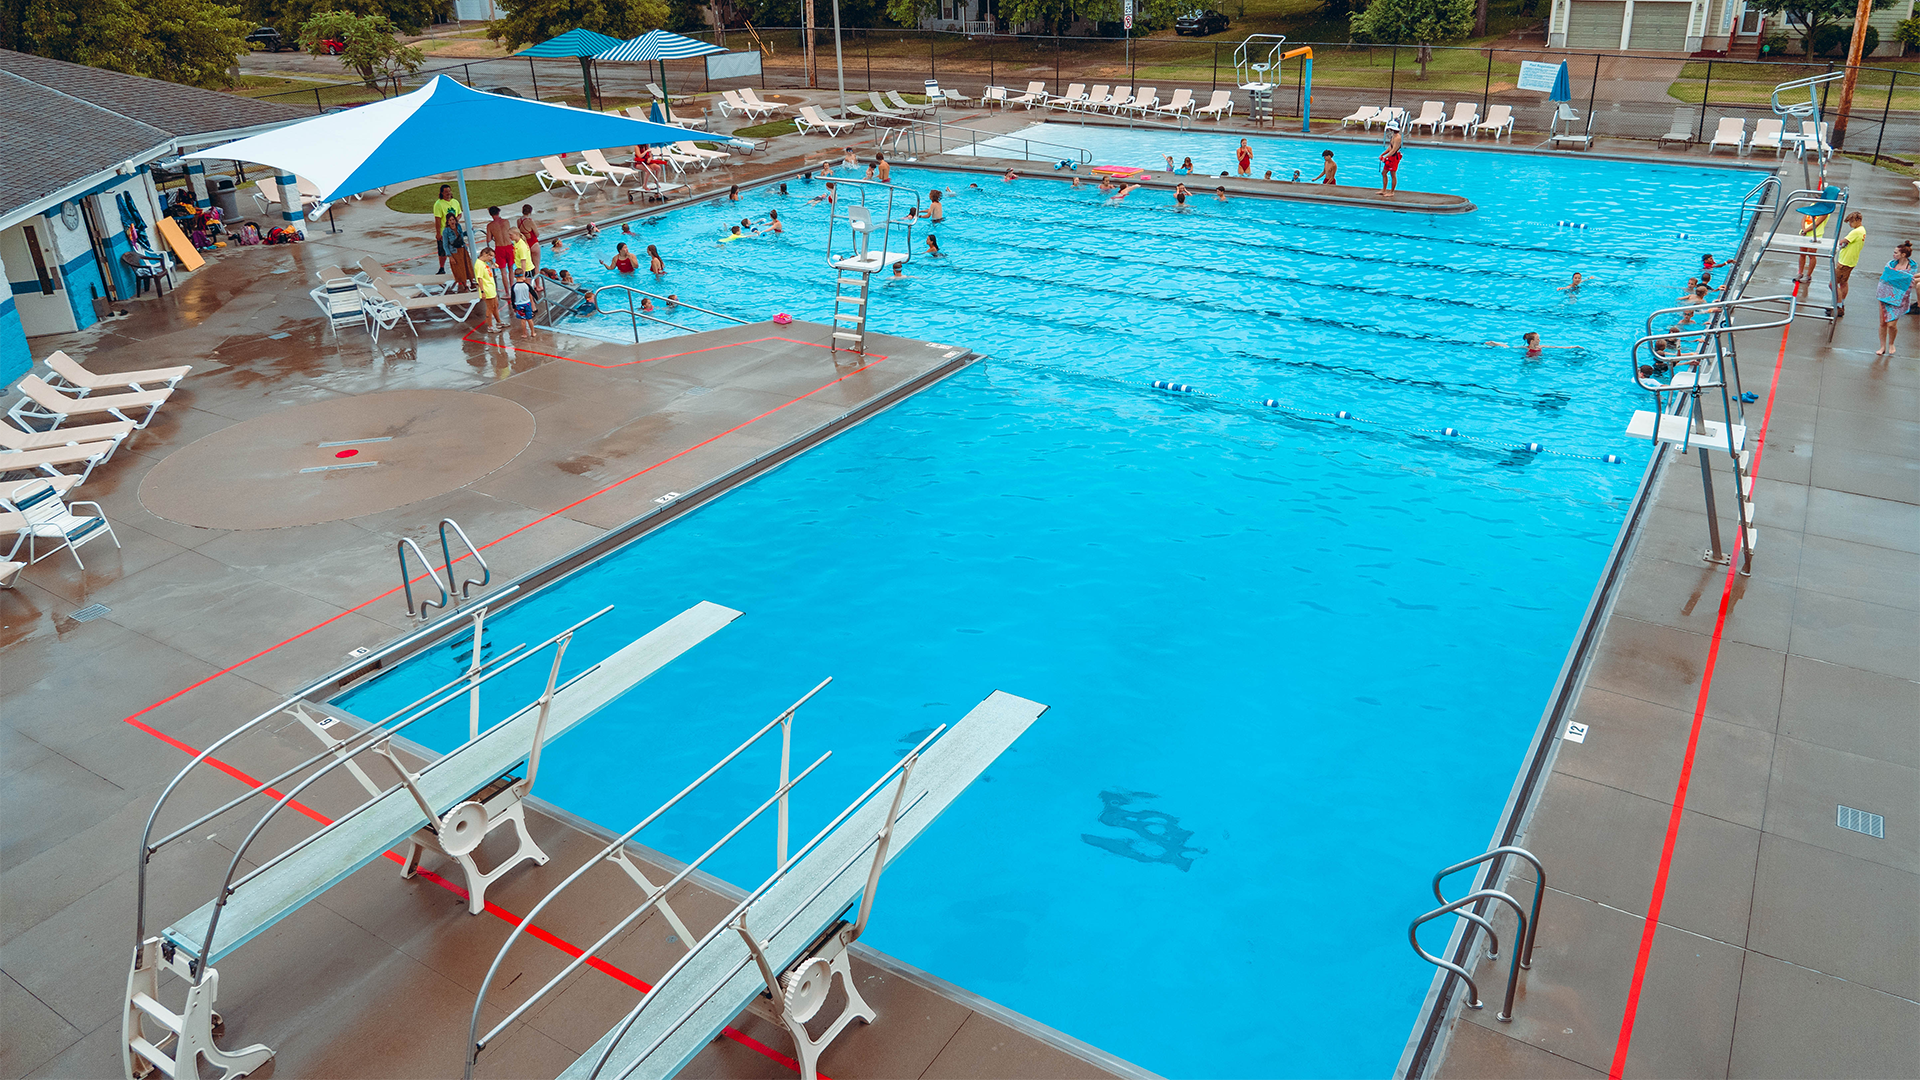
x=1126 y=18
x=1537 y=76
x=1576 y=732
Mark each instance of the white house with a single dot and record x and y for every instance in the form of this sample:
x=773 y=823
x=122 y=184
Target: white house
x=1684 y=26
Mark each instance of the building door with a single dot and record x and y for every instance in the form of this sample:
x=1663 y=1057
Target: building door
x=1595 y=24
x=1659 y=26
x=1751 y=20
x=41 y=297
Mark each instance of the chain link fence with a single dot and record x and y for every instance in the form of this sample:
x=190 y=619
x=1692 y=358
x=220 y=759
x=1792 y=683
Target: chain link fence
x=1631 y=95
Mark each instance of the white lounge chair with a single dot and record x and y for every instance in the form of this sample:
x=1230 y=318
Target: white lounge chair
x=731 y=102
x=898 y=102
x=370 y=269
x=681 y=162
x=1681 y=130
x=1732 y=131
x=880 y=107
x=444 y=302
x=1465 y=115
x=1181 y=104
x=595 y=161
x=40 y=514
x=1432 y=115
x=38 y=401
x=12 y=489
x=1364 y=115
x=811 y=118
x=13 y=438
x=694 y=150
x=310 y=201
x=1035 y=95
x=1766 y=135
x=1076 y=93
x=1145 y=100
x=68 y=374
x=993 y=95
x=1814 y=135
x=1121 y=97
x=1095 y=98
x=747 y=95
x=49 y=459
x=1220 y=106
x=1394 y=115
x=553 y=172
x=1499 y=119
x=341 y=301
x=658 y=94
x=9 y=571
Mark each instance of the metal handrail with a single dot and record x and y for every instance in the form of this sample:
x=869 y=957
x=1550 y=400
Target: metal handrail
x=406 y=580
x=228 y=884
x=446 y=553
x=1246 y=66
x=940 y=127
x=477 y=1042
x=1770 y=181
x=634 y=314
x=748 y=900
x=1539 y=890
x=1513 y=966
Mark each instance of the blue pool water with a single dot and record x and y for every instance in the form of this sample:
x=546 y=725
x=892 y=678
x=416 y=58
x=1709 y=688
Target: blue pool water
x=1293 y=662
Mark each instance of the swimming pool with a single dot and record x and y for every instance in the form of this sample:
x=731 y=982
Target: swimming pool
x=1293 y=660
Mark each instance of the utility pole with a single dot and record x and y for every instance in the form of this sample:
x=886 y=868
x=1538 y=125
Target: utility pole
x=1853 y=71
x=806 y=33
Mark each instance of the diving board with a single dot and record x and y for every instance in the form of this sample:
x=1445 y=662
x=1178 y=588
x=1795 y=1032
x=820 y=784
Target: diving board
x=451 y=804
x=797 y=925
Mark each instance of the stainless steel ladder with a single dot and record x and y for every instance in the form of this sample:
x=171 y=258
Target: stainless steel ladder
x=1473 y=908
x=449 y=593
x=850 y=310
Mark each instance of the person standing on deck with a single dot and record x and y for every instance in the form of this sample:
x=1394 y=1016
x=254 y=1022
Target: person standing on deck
x=1390 y=163
x=1895 y=294
x=441 y=205
x=500 y=236
x=530 y=231
x=1850 y=248
x=1244 y=156
x=453 y=251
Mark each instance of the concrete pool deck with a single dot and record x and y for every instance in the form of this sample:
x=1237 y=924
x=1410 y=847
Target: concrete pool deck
x=1786 y=945
x=189 y=604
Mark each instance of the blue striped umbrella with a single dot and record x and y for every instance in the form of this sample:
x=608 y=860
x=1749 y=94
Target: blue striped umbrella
x=581 y=43
x=660 y=46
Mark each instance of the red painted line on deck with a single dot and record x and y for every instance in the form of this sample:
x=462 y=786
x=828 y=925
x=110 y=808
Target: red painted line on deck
x=544 y=517
x=1659 y=894
x=491 y=908
x=872 y=358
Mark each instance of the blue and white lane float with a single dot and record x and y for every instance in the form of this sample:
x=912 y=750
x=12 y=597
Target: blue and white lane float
x=1171 y=387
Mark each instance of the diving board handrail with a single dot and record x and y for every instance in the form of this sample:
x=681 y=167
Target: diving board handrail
x=805 y=933
x=477 y=1042
x=228 y=885
x=740 y=910
x=150 y=847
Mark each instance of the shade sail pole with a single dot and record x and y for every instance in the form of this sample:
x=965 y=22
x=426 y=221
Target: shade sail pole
x=586 y=79
x=840 y=67
x=466 y=219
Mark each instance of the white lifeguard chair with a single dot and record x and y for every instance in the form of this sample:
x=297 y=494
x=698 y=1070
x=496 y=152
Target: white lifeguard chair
x=872 y=250
x=1256 y=68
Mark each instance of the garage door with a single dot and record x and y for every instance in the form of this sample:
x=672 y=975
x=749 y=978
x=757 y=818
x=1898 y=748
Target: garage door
x=1659 y=27
x=1595 y=24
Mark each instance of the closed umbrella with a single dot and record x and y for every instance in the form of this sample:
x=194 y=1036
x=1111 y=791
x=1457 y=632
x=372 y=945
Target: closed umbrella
x=1562 y=88
x=580 y=43
x=659 y=46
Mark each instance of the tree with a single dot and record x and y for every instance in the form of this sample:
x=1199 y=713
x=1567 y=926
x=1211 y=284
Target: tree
x=290 y=16
x=1810 y=15
x=1422 y=22
x=371 y=51
x=530 y=21
x=185 y=41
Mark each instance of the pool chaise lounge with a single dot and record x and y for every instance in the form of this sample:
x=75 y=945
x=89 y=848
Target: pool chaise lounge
x=553 y=172
x=39 y=401
x=74 y=377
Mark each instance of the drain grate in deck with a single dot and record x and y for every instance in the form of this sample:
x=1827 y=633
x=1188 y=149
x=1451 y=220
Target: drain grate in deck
x=1860 y=821
x=89 y=613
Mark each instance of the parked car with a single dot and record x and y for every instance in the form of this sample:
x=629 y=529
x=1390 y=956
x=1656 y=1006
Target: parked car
x=1200 y=23
x=333 y=47
x=270 y=39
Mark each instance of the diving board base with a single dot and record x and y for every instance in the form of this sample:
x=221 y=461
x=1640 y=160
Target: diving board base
x=1677 y=429
x=498 y=804
x=161 y=1040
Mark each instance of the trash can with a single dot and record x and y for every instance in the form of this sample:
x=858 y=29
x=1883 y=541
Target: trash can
x=224 y=196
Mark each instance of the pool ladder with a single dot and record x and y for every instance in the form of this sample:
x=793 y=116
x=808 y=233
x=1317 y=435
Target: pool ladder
x=448 y=595
x=1473 y=907
x=850 y=310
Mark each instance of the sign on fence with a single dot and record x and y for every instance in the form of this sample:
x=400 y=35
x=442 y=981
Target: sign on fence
x=1126 y=18
x=1537 y=76
x=733 y=65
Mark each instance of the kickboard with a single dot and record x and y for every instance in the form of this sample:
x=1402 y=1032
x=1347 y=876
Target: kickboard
x=169 y=231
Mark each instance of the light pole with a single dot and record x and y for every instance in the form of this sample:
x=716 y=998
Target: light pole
x=839 y=67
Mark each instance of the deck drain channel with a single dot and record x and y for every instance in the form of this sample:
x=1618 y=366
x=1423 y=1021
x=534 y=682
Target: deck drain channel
x=1860 y=821
x=89 y=613
x=347 y=465
x=359 y=442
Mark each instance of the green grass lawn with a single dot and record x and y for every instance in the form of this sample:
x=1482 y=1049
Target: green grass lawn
x=1867 y=101
x=767 y=131
x=1873 y=72
x=502 y=192
x=300 y=91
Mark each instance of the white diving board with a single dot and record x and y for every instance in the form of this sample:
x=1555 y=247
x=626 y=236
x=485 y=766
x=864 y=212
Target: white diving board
x=802 y=912
x=390 y=819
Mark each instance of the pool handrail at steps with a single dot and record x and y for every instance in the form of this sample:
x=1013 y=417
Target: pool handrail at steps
x=912 y=137
x=1485 y=892
x=802 y=933
x=451 y=804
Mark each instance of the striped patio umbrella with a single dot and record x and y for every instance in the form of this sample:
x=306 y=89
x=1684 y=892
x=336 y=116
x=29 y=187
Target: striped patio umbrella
x=660 y=46
x=581 y=43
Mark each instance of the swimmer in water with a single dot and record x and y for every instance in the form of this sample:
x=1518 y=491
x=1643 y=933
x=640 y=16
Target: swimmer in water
x=832 y=194
x=654 y=263
x=773 y=222
x=1124 y=192
x=933 y=245
x=627 y=227
x=1573 y=286
x=557 y=246
x=1220 y=194
x=900 y=270
x=1011 y=176
x=1531 y=342
x=1106 y=183
x=730 y=237
x=592 y=230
